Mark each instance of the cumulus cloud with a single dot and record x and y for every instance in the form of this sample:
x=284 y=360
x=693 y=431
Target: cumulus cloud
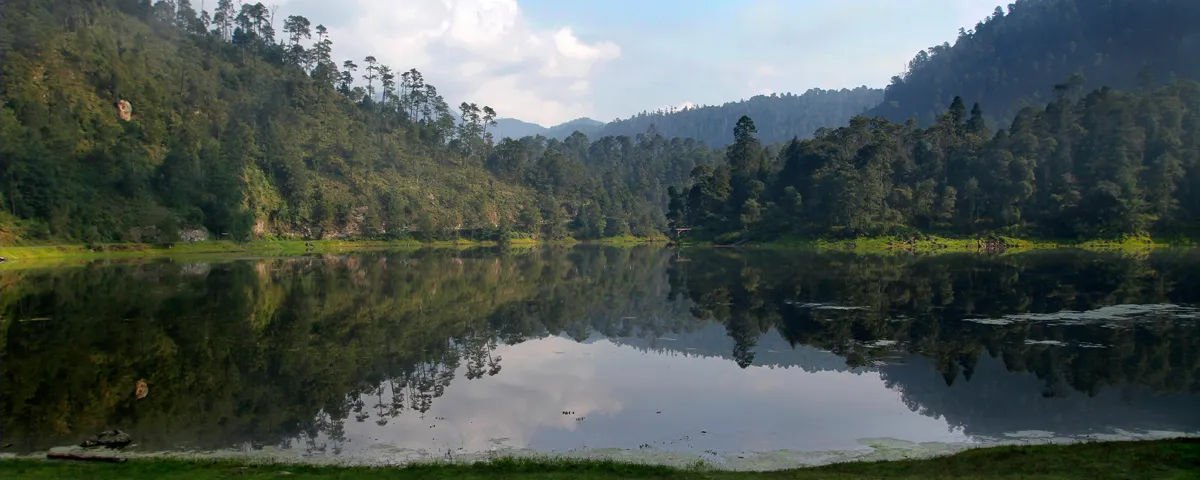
x=481 y=51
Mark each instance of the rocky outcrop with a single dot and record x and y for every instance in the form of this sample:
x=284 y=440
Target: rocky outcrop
x=125 y=110
x=194 y=235
x=110 y=438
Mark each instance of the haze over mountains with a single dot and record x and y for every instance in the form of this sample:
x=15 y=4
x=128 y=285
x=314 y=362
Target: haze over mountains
x=779 y=118
x=513 y=128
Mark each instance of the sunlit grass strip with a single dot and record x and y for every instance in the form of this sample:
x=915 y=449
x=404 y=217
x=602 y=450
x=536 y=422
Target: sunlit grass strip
x=935 y=244
x=43 y=254
x=1166 y=459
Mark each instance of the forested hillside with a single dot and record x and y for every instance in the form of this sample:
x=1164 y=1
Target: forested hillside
x=126 y=121
x=1016 y=57
x=779 y=117
x=1100 y=164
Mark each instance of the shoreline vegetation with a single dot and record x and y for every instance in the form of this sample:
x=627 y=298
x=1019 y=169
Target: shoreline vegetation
x=870 y=245
x=1170 y=458
x=25 y=253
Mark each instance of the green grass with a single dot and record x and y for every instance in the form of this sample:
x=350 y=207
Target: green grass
x=267 y=247
x=52 y=255
x=632 y=240
x=1162 y=459
x=936 y=244
x=42 y=253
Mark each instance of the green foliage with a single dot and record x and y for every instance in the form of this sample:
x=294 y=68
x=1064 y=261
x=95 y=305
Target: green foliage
x=242 y=136
x=1098 y=166
x=610 y=187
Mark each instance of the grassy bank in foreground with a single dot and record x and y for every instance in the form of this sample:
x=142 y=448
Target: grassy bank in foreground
x=1162 y=459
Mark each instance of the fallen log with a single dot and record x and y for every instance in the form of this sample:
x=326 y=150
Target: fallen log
x=85 y=458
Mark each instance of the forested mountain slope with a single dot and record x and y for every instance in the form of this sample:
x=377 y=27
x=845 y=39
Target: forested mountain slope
x=1101 y=164
x=779 y=117
x=126 y=121
x=1015 y=58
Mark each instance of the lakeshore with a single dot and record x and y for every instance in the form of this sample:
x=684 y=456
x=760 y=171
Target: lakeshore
x=1166 y=459
x=875 y=245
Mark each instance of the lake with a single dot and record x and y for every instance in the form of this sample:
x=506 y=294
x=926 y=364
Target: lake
x=745 y=358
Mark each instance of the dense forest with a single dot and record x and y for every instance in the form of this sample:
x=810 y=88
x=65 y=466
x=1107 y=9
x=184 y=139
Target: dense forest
x=1013 y=58
x=1098 y=164
x=139 y=121
x=130 y=121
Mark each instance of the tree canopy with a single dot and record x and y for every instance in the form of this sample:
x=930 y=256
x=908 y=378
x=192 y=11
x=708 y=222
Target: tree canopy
x=1101 y=164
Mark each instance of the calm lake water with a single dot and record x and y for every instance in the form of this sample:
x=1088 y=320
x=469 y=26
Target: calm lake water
x=744 y=358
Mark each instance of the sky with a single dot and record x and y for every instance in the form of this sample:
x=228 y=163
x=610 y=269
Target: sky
x=551 y=61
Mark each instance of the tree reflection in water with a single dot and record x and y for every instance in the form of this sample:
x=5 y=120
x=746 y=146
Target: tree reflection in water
x=285 y=351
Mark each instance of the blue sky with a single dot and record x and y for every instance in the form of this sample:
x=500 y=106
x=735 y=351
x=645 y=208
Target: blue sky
x=549 y=61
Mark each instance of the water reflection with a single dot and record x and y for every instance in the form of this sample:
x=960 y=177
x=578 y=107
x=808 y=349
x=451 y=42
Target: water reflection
x=388 y=356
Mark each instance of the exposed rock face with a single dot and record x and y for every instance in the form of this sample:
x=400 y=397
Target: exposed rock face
x=141 y=389
x=110 y=439
x=125 y=110
x=195 y=235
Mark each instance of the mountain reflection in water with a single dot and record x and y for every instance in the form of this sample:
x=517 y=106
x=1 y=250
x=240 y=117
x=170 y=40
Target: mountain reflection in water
x=389 y=355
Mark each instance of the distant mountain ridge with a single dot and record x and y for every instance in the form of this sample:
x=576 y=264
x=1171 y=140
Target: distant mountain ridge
x=514 y=128
x=779 y=118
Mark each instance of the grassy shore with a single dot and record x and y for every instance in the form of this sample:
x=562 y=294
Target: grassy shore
x=131 y=250
x=51 y=253
x=41 y=254
x=1161 y=459
x=936 y=244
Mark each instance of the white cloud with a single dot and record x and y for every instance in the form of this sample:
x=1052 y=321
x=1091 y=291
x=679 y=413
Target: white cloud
x=480 y=51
